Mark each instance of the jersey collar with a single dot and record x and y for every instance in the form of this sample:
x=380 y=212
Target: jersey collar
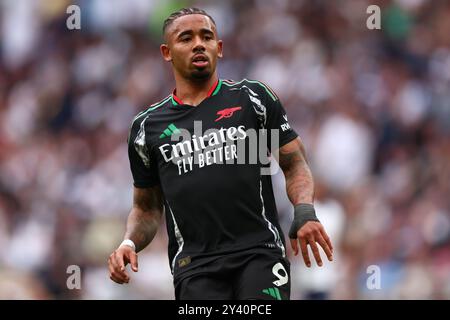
x=212 y=92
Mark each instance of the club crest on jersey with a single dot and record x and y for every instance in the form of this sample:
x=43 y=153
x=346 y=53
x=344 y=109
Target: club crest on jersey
x=227 y=113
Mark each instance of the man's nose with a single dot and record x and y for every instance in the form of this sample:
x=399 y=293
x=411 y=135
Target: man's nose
x=198 y=44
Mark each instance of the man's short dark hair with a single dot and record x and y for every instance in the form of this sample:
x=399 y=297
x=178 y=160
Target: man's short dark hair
x=184 y=12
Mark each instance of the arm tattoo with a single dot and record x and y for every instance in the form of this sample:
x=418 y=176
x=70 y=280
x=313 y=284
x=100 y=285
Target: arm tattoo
x=145 y=216
x=299 y=180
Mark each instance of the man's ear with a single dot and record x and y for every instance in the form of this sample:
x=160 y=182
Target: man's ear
x=165 y=52
x=220 y=48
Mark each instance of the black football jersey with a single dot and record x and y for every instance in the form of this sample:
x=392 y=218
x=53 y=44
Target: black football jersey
x=218 y=198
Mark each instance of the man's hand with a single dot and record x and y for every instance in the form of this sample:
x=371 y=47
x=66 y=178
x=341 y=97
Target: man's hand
x=142 y=225
x=310 y=233
x=305 y=228
x=117 y=262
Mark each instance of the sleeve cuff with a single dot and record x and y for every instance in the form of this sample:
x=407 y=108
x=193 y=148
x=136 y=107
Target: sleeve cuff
x=288 y=138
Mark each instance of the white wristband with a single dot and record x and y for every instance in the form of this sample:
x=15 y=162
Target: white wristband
x=128 y=242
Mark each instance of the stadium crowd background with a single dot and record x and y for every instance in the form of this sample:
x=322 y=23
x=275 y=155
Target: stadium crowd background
x=372 y=106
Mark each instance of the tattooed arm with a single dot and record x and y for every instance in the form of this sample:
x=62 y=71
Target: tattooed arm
x=306 y=228
x=145 y=216
x=299 y=180
x=142 y=224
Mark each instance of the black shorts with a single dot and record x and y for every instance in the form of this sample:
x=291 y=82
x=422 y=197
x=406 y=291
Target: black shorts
x=259 y=276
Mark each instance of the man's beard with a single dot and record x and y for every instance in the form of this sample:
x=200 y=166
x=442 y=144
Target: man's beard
x=200 y=74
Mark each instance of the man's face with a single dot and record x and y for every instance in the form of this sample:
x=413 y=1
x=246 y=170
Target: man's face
x=192 y=46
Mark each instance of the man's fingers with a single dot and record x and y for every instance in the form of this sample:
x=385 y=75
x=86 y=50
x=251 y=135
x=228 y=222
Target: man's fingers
x=327 y=238
x=315 y=250
x=294 y=246
x=134 y=261
x=305 y=254
x=118 y=278
x=111 y=271
x=309 y=234
x=120 y=261
x=325 y=247
x=114 y=275
x=115 y=279
x=119 y=267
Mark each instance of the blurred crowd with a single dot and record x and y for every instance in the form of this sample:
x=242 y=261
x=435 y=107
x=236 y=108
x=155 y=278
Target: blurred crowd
x=372 y=107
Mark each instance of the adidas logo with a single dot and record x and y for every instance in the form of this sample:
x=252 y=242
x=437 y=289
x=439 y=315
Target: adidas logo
x=171 y=129
x=273 y=292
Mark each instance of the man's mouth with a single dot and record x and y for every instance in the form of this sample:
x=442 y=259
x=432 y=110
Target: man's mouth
x=200 y=61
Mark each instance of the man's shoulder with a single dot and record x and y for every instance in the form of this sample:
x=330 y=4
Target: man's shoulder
x=150 y=110
x=253 y=86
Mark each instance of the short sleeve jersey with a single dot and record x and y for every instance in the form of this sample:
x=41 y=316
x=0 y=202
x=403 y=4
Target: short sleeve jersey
x=209 y=161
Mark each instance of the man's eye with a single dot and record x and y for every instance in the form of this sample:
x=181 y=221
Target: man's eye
x=208 y=38
x=186 y=39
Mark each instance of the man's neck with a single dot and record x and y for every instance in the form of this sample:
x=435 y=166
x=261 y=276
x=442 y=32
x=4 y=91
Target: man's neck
x=193 y=93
